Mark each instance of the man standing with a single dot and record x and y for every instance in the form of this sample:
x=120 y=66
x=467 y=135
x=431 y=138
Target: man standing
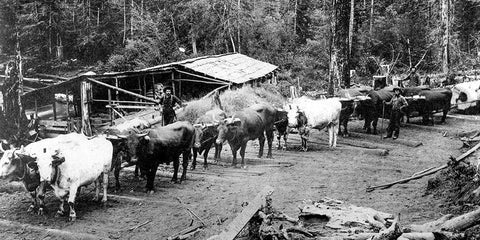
x=413 y=77
x=168 y=101
x=398 y=103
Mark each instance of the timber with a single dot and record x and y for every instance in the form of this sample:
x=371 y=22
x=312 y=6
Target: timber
x=123 y=90
x=425 y=173
x=409 y=143
x=244 y=217
x=61 y=234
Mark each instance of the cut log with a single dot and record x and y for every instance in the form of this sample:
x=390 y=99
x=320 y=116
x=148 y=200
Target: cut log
x=462 y=222
x=374 y=138
x=430 y=172
x=234 y=228
x=431 y=236
x=430 y=226
x=393 y=232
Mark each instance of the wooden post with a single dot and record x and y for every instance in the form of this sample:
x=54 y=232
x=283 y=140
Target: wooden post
x=144 y=86
x=116 y=92
x=173 y=83
x=54 y=106
x=68 y=111
x=36 y=108
x=85 y=107
x=110 y=103
x=179 y=88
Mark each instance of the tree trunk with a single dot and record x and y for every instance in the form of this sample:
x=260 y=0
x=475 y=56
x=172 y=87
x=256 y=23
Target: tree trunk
x=124 y=21
x=194 y=45
x=340 y=59
x=445 y=36
x=371 y=19
x=295 y=18
x=238 y=26
x=131 y=21
x=350 y=26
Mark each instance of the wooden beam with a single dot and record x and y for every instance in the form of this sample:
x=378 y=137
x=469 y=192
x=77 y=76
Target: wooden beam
x=234 y=228
x=85 y=107
x=115 y=101
x=128 y=107
x=198 y=81
x=122 y=90
x=207 y=78
x=110 y=111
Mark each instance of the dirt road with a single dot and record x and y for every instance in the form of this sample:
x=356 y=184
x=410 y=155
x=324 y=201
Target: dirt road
x=217 y=195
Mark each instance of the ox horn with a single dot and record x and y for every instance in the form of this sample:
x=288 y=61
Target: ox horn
x=197 y=125
x=236 y=120
x=112 y=137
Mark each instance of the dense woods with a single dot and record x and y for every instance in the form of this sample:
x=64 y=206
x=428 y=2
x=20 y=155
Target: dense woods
x=315 y=42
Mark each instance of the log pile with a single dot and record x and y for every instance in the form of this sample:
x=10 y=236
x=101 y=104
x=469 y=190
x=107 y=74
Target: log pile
x=333 y=219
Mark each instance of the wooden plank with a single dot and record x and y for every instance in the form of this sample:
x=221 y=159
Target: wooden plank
x=115 y=101
x=128 y=107
x=375 y=138
x=234 y=228
x=53 y=123
x=464 y=117
x=123 y=90
x=61 y=234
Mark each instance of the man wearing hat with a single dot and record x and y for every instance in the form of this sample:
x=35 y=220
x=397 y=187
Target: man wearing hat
x=168 y=101
x=398 y=103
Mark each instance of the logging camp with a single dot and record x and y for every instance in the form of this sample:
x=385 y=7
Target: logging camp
x=293 y=108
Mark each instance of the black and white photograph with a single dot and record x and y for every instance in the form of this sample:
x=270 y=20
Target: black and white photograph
x=240 y=119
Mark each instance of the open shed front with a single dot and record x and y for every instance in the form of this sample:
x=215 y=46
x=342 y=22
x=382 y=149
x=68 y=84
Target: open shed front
x=88 y=103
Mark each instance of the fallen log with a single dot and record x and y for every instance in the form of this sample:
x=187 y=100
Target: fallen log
x=393 y=232
x=57 y=233
x=368 y=151
x=465 y=118
x=429 y=226
x=431 y=236
x=430 y=172
x=234 y=228
x=185 y=233
x=374 y=138
x=426 y=128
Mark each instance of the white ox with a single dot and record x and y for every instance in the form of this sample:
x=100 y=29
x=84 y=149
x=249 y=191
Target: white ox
x=71 y=161
x=305 y=113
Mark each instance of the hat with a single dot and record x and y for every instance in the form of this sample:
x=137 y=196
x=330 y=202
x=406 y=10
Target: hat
x=167 y=88
x=397 y=88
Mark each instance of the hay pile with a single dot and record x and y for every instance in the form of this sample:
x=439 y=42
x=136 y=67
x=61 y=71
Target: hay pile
x=232 y=101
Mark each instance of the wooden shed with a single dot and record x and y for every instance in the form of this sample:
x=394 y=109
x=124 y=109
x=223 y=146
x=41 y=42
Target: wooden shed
x=97 y=100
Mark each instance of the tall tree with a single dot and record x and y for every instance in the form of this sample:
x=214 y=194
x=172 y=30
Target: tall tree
x=446 y=36
x=340 y=57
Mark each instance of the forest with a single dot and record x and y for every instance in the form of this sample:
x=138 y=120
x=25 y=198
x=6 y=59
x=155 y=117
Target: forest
x=313 y=42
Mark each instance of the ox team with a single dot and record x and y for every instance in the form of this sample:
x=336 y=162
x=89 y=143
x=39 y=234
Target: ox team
x=70 y=161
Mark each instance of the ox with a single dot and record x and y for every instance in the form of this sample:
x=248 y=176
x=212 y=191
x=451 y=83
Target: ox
x=206 y=133
x=249 y=124
x=281 y=124
x=120 y=155
x=435 y=99
x=373 y=108
x=307 y=113
x=161 y=145
x=17 y=167
x=73 y=161
x=351 y=100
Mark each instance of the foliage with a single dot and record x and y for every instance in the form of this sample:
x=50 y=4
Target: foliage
x=118 y=35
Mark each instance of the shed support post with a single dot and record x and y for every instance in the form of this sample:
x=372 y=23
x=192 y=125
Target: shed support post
x=85 y=89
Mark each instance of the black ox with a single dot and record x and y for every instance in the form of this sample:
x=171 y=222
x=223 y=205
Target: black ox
x=161 y=145
x=428 y=102
x=251 y=123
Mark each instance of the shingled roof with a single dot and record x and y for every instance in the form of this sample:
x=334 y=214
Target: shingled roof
x=232 y=67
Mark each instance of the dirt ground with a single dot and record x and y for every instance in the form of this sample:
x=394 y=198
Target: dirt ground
x=218 y=194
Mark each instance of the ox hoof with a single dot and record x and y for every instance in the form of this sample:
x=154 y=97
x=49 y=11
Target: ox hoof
x=40 y=212
x=72 y=218
x=270 y=156
x=205 y=168
x=31 y=208
x=150 y=192
x=59 y=214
